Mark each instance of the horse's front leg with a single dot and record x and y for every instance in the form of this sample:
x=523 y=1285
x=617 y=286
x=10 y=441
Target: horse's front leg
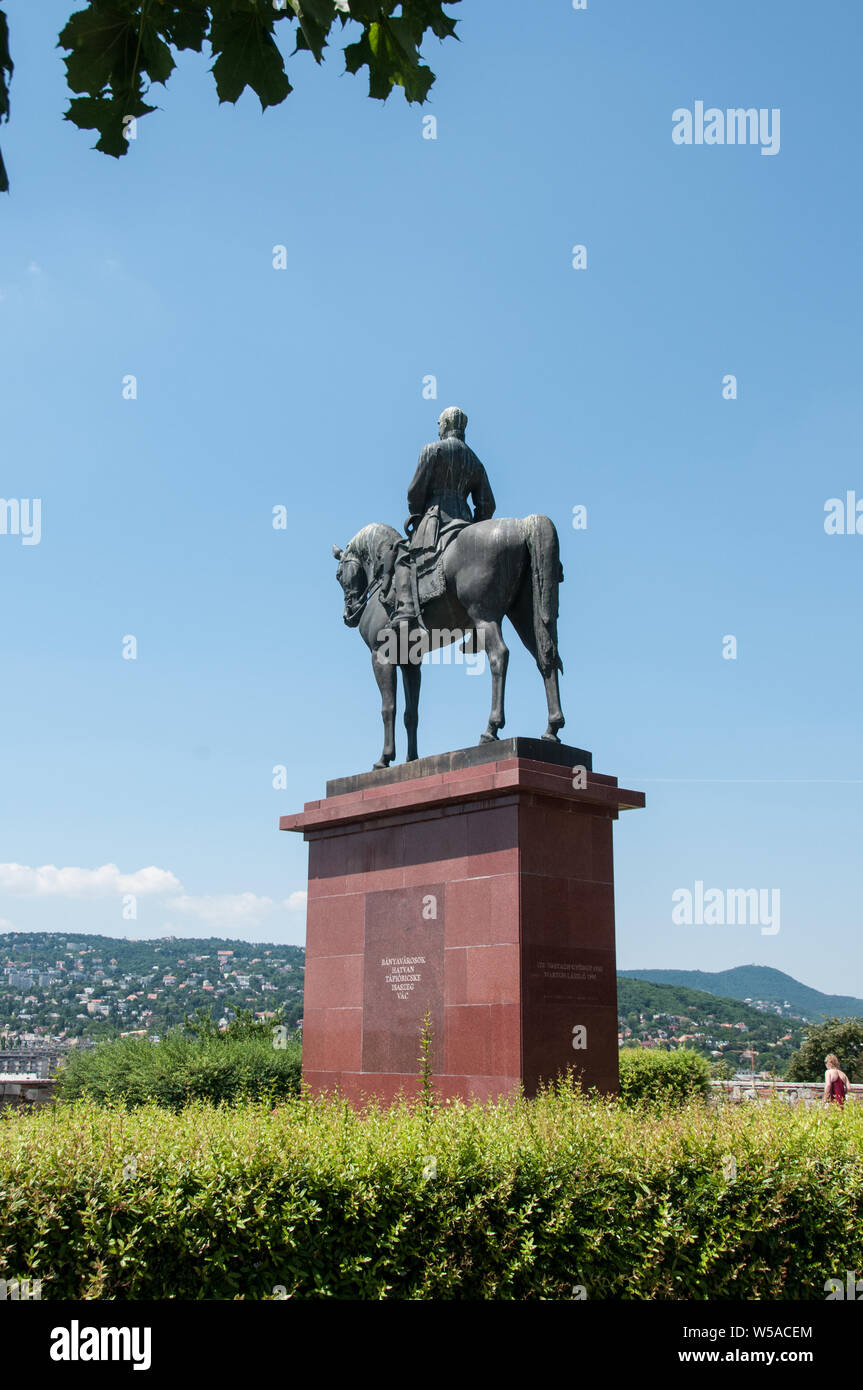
x=490 y=640
x=385 y=675
x=411 y=677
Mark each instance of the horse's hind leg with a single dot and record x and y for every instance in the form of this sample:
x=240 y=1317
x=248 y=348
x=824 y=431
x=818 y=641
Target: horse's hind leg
x=490 y=640
x=555 y=713
x=411 y=676
x=521 y=617
x=385 y=675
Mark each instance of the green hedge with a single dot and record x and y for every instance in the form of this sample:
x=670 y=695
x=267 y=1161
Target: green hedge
x=180 y=1069
x=519 y=1200
x=671 y=1078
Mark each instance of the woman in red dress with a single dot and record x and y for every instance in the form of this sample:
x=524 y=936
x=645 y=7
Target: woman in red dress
x=835 y=1081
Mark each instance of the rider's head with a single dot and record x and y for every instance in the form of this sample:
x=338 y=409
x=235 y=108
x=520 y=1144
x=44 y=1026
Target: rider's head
x=452 y=421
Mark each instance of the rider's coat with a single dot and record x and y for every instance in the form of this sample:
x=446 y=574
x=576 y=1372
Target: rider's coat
x=448 y=473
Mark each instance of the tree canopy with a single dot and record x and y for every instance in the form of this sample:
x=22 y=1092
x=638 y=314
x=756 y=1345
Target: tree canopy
x=844 y=1036
x=116 y=50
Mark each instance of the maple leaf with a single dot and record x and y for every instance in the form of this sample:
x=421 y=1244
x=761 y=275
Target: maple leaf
x=248 y=56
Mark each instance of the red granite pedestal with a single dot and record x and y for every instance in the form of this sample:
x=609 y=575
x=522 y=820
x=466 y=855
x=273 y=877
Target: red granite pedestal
x=481 y=892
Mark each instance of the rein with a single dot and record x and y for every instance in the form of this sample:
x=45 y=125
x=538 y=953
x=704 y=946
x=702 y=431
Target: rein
x=351 y=613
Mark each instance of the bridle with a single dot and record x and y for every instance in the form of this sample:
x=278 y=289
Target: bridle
x=360 y=603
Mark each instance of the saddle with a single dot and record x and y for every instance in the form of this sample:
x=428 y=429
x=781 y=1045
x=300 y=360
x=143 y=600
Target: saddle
x=428 y=545
x=424 y=554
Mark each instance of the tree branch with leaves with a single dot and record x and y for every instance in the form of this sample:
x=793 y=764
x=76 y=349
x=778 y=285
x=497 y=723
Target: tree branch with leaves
x=117 y=50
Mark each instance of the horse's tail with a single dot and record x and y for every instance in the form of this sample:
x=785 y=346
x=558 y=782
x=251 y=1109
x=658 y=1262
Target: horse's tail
x=546 y=574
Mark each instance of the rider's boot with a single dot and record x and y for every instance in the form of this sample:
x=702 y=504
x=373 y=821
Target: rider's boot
x=405 y=615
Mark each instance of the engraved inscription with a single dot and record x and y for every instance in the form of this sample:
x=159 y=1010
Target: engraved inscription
x=403 y=977
x=404 y=973
x=582 y=974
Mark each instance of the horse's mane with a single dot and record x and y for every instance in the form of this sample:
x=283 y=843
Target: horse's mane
x=367 y=544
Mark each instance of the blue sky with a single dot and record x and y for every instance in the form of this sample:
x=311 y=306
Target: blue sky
x=599 y=387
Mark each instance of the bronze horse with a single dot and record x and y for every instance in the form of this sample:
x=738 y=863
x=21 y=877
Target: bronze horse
x=493 y=569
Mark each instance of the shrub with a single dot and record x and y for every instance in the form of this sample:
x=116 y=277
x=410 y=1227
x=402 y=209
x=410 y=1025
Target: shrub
x=671 y=1078
x=524 y=1200
x=180 y=1069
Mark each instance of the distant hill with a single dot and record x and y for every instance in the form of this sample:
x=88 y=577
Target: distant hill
x=649 y=995
x=64 y=985
x=758 y=983
x=658 y=1015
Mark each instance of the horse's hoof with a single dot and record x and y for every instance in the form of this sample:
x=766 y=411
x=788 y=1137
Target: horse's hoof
x=381 y=762
x=551 y=738
x=487 y=737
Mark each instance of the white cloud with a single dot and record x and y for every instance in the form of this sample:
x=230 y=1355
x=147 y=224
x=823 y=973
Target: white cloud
x=217 y=910
x=49 y=881
x=224 y=907
x=235 y=907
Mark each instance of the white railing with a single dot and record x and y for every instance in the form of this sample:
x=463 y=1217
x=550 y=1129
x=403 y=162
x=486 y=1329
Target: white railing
x=789 y=1092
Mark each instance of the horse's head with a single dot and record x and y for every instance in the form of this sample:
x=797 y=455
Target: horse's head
x=351 y=574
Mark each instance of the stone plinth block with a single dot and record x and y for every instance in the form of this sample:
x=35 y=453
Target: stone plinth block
x=476 y=888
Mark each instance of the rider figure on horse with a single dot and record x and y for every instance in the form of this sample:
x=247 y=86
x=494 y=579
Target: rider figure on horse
x=448 y=473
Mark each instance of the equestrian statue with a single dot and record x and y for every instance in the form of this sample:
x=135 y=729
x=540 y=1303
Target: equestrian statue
x=455 y=575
